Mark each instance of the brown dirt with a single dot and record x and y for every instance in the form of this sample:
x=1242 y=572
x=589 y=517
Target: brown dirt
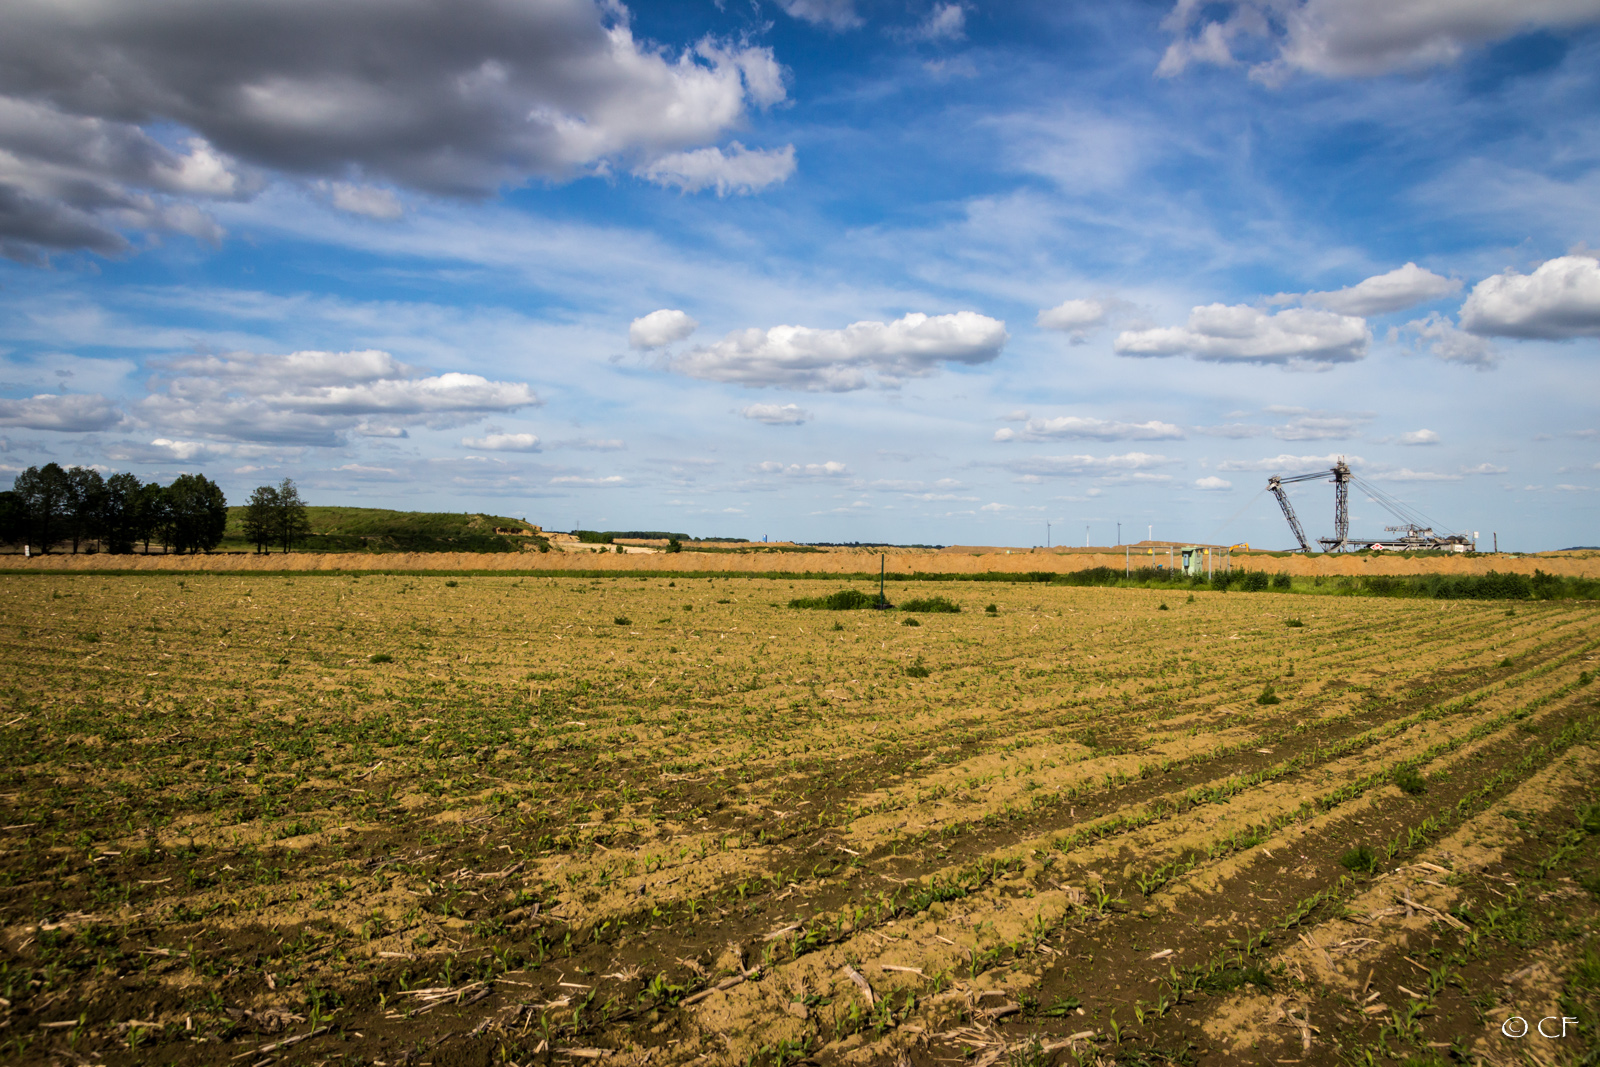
x=693 y=837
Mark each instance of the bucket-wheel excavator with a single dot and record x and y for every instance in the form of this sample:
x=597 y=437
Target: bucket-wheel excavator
x=1416 y=533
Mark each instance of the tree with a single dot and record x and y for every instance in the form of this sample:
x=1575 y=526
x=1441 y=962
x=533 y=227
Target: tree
x=261 y=517
x=86 y=501
x=42 y=492
x=198 y=513
x=151 y=515
x=292 y=524
x=13 y=518
x=120 y=516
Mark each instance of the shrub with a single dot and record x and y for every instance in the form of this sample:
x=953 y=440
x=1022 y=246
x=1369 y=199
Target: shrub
x=1410 y=781
x=911 y=622
x=451 y=584
x=843 y=600
x=380 y=657
x=1361 y=860
x=992 y=610
x=1163 y=607
x=1268 y=696
x=917 y=670
x=1254 y=581
x=1296 y=623
x=1281 y=581
x=623 y=620
x=932 y=605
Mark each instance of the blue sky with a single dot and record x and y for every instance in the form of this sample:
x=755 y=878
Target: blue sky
x=910 y=270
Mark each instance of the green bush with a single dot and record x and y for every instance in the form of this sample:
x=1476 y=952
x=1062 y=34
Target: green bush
x=992 y=610
x=1296 y=623
x=932 y=604
x=380 y=657
x=1281 y=581
x=623 y=620
x=917 y=670
x=843 y=600
x=1268 y=696
x=1254 y=581
x=911 y=622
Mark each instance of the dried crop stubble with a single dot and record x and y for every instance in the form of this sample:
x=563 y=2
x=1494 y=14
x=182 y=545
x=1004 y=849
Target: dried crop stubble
x=225 y=821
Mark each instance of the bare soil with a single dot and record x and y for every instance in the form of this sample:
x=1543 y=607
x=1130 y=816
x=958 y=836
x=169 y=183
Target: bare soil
x=328 y=818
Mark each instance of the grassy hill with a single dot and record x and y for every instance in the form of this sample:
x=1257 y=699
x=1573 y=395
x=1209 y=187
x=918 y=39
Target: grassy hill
x=381 y=530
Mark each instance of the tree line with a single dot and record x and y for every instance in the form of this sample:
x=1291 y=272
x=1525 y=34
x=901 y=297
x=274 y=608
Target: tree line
x=52 y=505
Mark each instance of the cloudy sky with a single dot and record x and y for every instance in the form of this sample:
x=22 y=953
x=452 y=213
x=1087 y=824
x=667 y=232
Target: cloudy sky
x=907 y=270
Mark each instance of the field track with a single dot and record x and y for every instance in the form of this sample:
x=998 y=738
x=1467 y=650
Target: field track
x=409 y=819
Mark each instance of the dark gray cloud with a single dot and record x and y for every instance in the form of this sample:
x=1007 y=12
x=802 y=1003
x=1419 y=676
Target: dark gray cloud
x=455 y=98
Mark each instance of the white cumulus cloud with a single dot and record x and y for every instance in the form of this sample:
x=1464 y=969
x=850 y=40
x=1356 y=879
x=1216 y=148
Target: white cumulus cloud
x=660 y=328
x=738 y=171
x=1319 y=428
x=830 y=469
x=776 y=414
x=1287 y=464
x=504 y=442
x=1397 y=290
x=946 y=22
x=1419 y=437
x=315 y=397
x=1077 y=318
x=1351 y=38
x=372 y=201
x=1212 y=483
x=1558 y=300
x=1239 y=333
x=1438 y=335
x=801 y=357
x=1075 y=426
x=839 y=14
x=72 y=413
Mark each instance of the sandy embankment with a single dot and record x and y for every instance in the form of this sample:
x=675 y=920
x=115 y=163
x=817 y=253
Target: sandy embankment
x=955 y=560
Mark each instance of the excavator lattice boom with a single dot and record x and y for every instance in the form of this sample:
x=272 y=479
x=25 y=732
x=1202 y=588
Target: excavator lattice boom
x=1416 y=534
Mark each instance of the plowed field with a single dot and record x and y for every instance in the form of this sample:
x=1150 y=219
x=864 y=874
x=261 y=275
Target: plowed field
x=389 y=819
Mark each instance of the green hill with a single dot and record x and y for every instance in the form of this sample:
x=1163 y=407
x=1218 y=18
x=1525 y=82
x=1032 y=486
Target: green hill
x=381 y=530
